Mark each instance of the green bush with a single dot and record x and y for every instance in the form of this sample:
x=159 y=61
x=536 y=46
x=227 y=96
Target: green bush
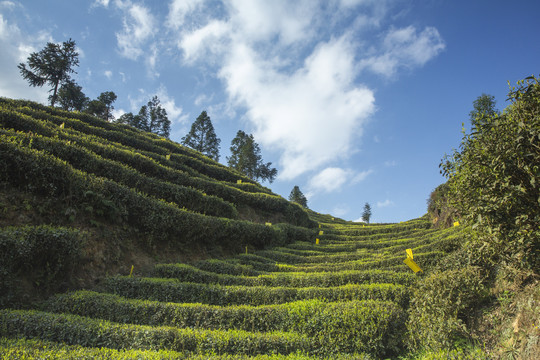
x=175 y=291
x=24 y=349
x=76 y=330
x=495 y=181
x=440 y=305
x=188 y=273
x=43 y=253
x=371 y=326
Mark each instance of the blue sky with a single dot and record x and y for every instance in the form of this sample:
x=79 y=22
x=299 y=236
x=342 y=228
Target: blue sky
x=354 y=101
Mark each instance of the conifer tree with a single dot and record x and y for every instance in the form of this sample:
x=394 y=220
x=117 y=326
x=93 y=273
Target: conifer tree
x=151 y=117
x=366 y=215
x=202 y=137
x=246 y=158
x=71 y=97
x=298 y=197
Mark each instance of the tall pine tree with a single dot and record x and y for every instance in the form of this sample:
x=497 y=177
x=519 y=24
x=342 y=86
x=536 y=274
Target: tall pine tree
x=366 y=215
x=202 y=137
x=298 y=197
x=246 y=158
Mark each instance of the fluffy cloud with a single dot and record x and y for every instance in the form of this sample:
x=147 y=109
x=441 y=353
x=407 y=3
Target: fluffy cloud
x=333 y=179
x=16 y=47
x=405 y=47
x=297 y=82
x=139 y=26
x=385 y=203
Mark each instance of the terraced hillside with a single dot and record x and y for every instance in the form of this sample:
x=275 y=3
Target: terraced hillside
x=223 y=268
x=77 y=190
x=343 y=298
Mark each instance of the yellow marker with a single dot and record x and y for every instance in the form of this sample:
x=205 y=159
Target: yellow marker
x=321 y=232
x=246 y=250
x=268 y=224
x=409 y=253
x=317 y=241
x=319 y=226
x=412 y=264
x=238 y=181
x=131 y=272
x=456 y=223
x=62 y=125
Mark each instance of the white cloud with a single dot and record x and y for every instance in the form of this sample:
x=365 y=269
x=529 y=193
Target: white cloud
x=405 y=47
x=334 y=178
x=178 y=9
x=174 y=112
x=16 y=47
x=294 y=68
x=312 y=115
x=329 y=180
x=108 y=74
x=385 y=203
x=139 y=26
x=104 y=3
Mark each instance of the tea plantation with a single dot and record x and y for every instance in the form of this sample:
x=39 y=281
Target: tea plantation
x=260 y=277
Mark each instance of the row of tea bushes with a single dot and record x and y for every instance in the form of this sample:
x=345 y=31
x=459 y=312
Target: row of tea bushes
x=89 y=162
x=351 y=326
x=77 y=330
x=188 y=273
x=145 y=163
x=172 y=290
x=25 y=349
x=45 y=175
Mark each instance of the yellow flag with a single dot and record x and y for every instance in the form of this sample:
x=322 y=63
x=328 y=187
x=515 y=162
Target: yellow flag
x=316 y=241
x=268 y=224
x=456 y=223
x=238 y=181
x=409 y=253
x=321 y=232
x=412 y=264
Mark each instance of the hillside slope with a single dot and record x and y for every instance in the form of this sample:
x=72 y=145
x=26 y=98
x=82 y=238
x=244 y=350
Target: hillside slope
x=344 y=298
x=76 y=190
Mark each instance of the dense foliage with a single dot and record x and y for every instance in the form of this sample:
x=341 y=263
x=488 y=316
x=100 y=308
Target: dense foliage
x=202 y=137
x=52 y=65
x=246 y=158
x=494 y=181
x=298 y=197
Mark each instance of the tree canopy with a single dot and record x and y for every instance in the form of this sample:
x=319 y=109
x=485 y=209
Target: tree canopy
x=202 y=137
x=298 y=197
x=366 y=215
x=246 y=158
x=52 y=65
x=484 y=109
x=71 y=97
x=151 y=117
x=495 y=181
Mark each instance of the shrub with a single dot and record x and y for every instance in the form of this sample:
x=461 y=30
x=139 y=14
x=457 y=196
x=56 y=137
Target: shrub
x=440 y=304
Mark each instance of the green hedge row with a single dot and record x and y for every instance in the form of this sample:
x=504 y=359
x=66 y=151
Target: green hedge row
x=370 y=326
x=230 y=266
x=132 y=137
x=86 y=161
x=424 y=260
x=44 y=255
x=188 y=273
x=43 y=174
x=145 y=162
x=26 y=349
x=77 y=330
x=175 y=291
